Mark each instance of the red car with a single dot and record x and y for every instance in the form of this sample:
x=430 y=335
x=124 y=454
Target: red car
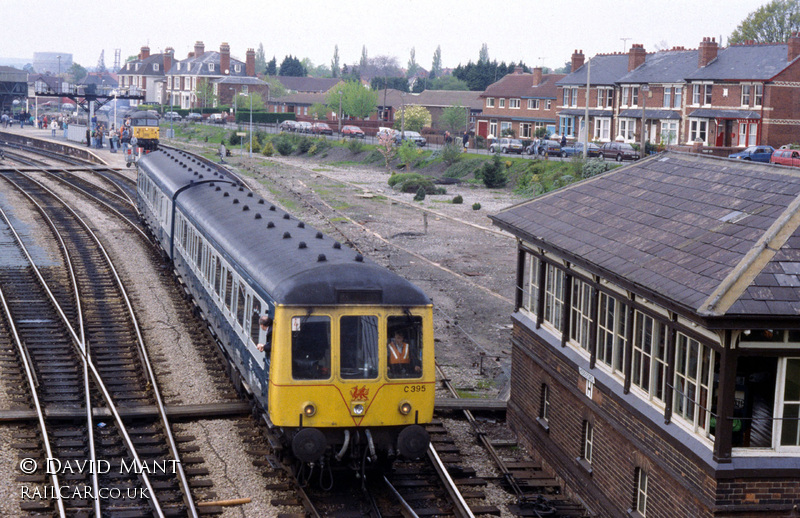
x=786 y=157
x=320 y=128
x=352 y=132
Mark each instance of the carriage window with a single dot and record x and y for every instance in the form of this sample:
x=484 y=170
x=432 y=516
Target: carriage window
x=404 y=348
x=311 y=347
x=217 y=276
x=228 y=288
x=198 y=251
x=358 y=347
x=240 y=305
x=255 y=314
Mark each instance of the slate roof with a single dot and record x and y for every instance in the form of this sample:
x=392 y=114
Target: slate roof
x=745 y=62
x=446 y=98
x=521 y=85
x=146 y=67
x=308 y=84
x=669 y=66
x=606 y=71
x=636 y=113
x=716 y=237
x=195 y=66
x=715 y=113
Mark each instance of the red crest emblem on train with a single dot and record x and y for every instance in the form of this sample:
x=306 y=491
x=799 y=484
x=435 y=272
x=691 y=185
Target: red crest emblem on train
x=359 y=394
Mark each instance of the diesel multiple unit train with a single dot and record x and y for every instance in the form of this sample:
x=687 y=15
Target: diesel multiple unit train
x=347 y=374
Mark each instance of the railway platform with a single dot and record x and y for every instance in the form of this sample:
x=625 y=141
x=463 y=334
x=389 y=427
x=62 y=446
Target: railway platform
x=115 y=160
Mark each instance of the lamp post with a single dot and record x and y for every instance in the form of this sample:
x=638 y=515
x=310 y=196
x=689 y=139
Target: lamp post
x=251 y=123
x=339 y=116
x=59 y=77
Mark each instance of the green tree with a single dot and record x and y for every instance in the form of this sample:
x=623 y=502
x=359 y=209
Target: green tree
x=243 y=102
x=357 y=102
x=335 y=62
x=447 y=83
x=398 y=83
x=454 y=119
x=413 y=66
x=204 y=93
x=566 y=69
x=319 y=111
x=77 y=73
x=364 y=59
x=416 y=117
x=483 y=54
x=291 y=66
x=276 y=88
x=436 y=66
x=773 y=22
x=261 y=59
x=272 y=67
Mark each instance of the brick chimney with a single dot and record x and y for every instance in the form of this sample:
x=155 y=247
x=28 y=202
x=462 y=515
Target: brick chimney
x=537 y=76
x=518 y=70
x=250 y=63
x=169 y=55
x=794 y=46
x=577 y=60
x=145 y=53
x=707 y=51
x=225 y=59
x=199 y=49
x=636 y=56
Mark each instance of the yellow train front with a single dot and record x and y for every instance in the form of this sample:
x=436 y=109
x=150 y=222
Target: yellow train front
x=339 y=391
x=145 y=129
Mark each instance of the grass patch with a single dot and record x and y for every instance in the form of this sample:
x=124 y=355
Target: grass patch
x=340 y=219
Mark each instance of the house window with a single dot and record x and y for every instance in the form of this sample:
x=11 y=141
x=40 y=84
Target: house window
x=567 y=125
x=502 y=103
x=548 y=104
x=566 y=97
x=602 y=128
x=695 y=376
x=678 y=97
x=211 y=67
x=649 y=365
x=554 y=296
x=601 y=97
x=641 y=491
x=514 y=104
x=155 y=67
x=752 y=140
x=574 y=97
x=612 y=319
x=533 y=104
x=581 y=318
x=588 y=441
x=669 y=132
x=525 y=130
x=490 y=102
x=746 y=95
x=237 y=68
x=696 y=95
x=544 y=404
x=667 y=97
x=634 y=96
x=708 y=94
x=759 y=95
x=626 y=92
x=530 y=283
x=179 y=66
x=627 y=129
x=493 y=127
x=698 y=129
x=506 y=129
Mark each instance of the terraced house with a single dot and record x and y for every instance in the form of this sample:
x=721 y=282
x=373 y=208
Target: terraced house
x=656 y=337
x=519 y=104
x=721 y=97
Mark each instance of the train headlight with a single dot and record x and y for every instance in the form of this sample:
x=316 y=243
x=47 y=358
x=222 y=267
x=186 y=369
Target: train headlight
x=309 y=410
x=358 y=409
x=405 y=408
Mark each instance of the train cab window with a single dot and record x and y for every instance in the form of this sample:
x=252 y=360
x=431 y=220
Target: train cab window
x=358 y=347
x=404 y=347
x=228 y=289
x=311 y=347
x=255 y=314
x=217 y=275
x=240 y=305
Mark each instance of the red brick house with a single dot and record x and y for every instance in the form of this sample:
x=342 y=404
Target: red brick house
x=656 y=337
x=519 y=104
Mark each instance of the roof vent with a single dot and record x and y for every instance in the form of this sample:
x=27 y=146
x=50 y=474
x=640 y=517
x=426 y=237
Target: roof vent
x=201 y=177
x=286 y=235
x=249 y=194
x=286 y=216
x=235 y=201
x=302 y=244
x=245 y=208
x=257 y=216
x=319 y=235
x=218 y=188
x=321 y=258
x=337 y=245
x=261 y=202
x=241 y=189
x=734 y=217
x=359 y=258
x=272 y=207
x=270 y=225
x=226 y=194
x=301 y=225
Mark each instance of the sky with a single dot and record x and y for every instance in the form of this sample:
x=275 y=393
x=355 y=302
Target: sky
x=540 y=33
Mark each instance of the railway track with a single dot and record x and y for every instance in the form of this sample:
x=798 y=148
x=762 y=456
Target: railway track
x=65 y=334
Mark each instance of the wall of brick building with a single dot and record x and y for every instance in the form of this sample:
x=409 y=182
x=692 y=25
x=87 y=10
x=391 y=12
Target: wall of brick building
x=679 y=484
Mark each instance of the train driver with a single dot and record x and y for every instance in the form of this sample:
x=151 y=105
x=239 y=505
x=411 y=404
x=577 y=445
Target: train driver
x=400 y=356
x=265 y=323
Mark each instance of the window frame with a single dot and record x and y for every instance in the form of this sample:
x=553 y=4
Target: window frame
x=490 y=102
x=514 y=104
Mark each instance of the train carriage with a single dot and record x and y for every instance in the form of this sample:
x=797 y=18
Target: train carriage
x=329 y=382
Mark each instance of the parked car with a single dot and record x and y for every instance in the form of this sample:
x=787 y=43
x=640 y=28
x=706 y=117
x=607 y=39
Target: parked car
x=754 y=153
x=320 y=128
x=577 y=149
x=544 y=146
x=386 y=131
x=413 y=136
x=352 y=132
x=216 y=118
x=506 y=145
x=619 y=151
x=288 y=125
x=195 y=117
x=303 y=127
x=172 y=116
x=789 y=157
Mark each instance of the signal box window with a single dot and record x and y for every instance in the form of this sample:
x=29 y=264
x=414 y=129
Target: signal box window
x=358 y=347
x=311 y=347
x=404 y=347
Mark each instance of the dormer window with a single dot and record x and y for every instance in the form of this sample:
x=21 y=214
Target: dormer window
x=179 y=66
x=137 y=66
x=237 y=68
x=155 y=67
x=211 y=67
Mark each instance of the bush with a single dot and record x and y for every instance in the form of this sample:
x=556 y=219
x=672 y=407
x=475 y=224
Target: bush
x=284 y=145
x=458 y=199
x=493 y=174
x=408 y=154
x=267 y=149
x=476 y=206
x=304 y=145
x=356 y=146
x=464 y=168
x=420 y=194
x=451 y=153
x=234 y=139
x=412 y=182
x=318 y=146
x=593 y=167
